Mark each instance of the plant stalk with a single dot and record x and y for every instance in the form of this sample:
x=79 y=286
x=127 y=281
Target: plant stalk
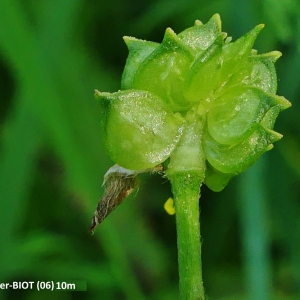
x=186 y=191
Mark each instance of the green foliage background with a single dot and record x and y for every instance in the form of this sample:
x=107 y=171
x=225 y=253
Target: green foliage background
x=53 y=54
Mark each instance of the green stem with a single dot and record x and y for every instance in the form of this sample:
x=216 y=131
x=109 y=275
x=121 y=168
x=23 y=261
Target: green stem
x=186 y=171
x=186 y=191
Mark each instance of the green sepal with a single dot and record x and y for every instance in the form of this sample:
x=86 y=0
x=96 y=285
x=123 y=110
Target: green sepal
x=236 y=113
x=164 y=70
x=235 y=159
x=263 y=73
x=204 y=75
x=259 y=71
x=235 y=55
x=215 y=180
x=140 y=132
x=139 y=50
x=199 y=37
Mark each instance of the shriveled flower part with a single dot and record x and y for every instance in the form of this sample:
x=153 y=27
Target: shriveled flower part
x=195 y=102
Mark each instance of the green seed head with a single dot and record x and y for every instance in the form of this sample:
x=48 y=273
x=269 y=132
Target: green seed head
x=194 y=98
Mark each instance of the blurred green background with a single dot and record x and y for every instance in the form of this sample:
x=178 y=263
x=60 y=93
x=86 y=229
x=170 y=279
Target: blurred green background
x=53 y=54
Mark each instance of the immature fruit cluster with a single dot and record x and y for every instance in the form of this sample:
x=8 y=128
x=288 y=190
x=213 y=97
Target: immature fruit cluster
x=194 y=98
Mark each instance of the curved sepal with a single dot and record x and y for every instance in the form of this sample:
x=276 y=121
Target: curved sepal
x=259 y=71
x=199 y=37
x=141 y=133
x=139 y=50
x=235 y=159
x=263 y=73
x=237 y=113
x=215 y=180
x=235 y=54
x=204 y=74
x=164 y=70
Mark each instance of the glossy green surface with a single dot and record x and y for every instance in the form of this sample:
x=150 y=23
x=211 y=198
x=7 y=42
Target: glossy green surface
x=224 y=87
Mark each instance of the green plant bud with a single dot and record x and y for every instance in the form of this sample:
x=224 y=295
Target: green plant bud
x=140 y=133
x=197 y=102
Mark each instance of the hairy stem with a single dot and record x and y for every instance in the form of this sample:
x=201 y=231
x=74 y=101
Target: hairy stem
x=186 y=191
